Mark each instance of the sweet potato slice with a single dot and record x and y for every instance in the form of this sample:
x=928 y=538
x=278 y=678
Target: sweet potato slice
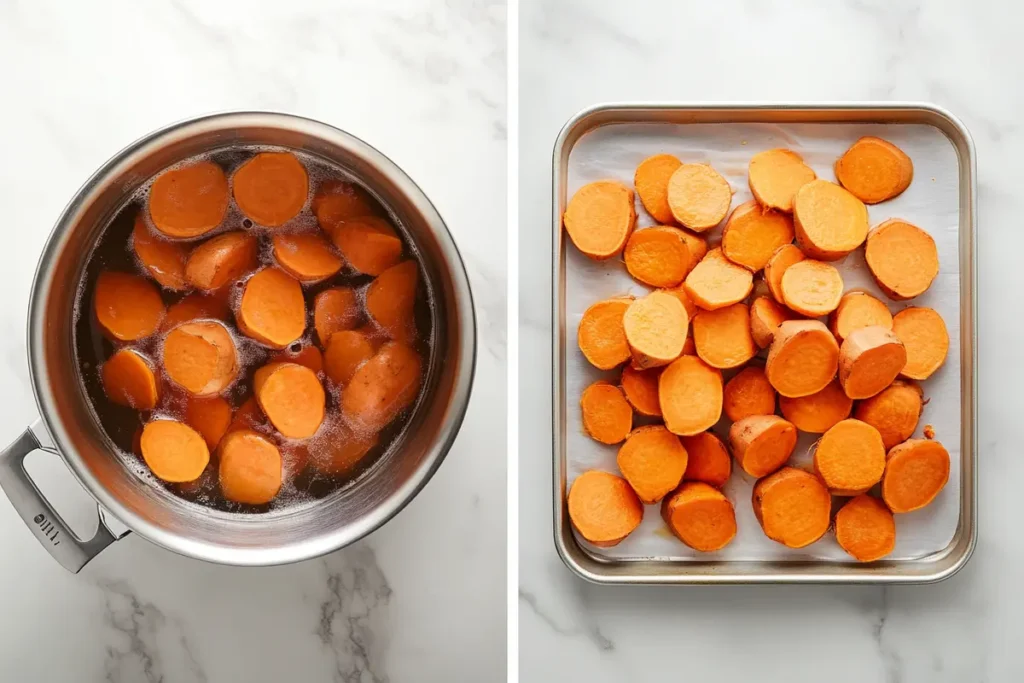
x=601 y=335
x=345 y=353
x=803 y=358
x=780 y=261
x=658 y=256
x=762 y=444
x=902 y=258
x=812 y=288
x=210 y=416
x=717 y=282
x=894 y=412
x=272 y=309
x=818 y=412
x=197 y=306
x=127 y=307
x=857 y=310
x=850 y=457
x=603 y=508
x=690 y=394
x=600 y=218
x=640 y=388
x=306 y=256
x=291 y=397
x=189 y=201
x=653 y=461
x=916 y=471
x=793 y=507
x=200 y=357
x=307 y=355
x=775 y=175
x=830 y=222
x=722 y=337
x=173 y=451
x=336 y=201
x=753 y=234
x=651 y=182
x=334 y=310
x=222 y=260
x=369 y=244
x=700 y=516
x=129 y=380
x=765 y=318
x=383 y=387
x=748 y=393
x=925 y=338
x=656 y=327
x=874 y=170
x=865 y=528
x=250 y=468
x=869 y=360
x=271 y=188
x=390 y=300
x=607 y=416
x=708 y=459
x=164 y=260
x=698 y=196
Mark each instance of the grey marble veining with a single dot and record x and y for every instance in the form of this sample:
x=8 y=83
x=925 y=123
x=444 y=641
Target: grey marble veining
x=965 y=56
x=422 y=80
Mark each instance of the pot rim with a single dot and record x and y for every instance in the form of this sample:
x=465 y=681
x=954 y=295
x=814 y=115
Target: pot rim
x=304 y=548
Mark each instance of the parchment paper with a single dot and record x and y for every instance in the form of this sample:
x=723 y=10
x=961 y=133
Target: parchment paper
x=931 y=202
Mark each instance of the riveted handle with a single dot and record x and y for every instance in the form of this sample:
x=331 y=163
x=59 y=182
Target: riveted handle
x=39 y=515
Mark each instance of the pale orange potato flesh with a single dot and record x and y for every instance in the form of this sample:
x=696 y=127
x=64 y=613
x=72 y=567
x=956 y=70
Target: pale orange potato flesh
x=601 y=335
x=723 y=338
x=780 y=261
x=700 y=516
x=874 y=170
x=607 y=416
x=127 y=307
x=762 y=444
x=600 y=218
x=271 y=188
x=775 y=175
x=708 y=459
x=803 y=358
x=129 y=380
x=902 y=258
x=603 y=508
x=656 y=328
x=850 y=457
x=173 y=451
x=830 y=222
x=653 y=461
x=793 y=507
x=916 y=471
x=865 y=529
x=690 y=394
x=924 y=335
x=856 y=310
x=717 y=282
x=753 y=234
x=812 y=288
x=651 y=183
x=698 y=196
x=189 y=201
x=658 y=256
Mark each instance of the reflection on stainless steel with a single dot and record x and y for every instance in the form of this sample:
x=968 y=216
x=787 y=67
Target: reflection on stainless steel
x=291 y=534
x=653 y=571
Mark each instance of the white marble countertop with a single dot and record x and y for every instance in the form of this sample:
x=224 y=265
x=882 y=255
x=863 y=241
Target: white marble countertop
x=960 y=55
x=423 y=598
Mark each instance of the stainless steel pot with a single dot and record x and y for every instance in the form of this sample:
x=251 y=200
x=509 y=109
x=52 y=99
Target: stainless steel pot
x=69 y=428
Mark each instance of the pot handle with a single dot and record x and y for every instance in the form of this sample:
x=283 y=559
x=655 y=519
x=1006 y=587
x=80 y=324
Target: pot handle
x=49 y=529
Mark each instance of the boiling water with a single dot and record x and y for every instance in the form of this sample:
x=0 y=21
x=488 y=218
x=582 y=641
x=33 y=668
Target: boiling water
x=114 y=252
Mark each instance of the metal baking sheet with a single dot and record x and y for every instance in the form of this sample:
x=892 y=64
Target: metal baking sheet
x=608 y=142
